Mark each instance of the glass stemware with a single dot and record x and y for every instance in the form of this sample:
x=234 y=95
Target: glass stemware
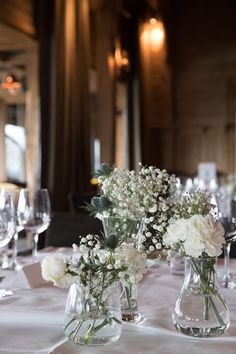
x=14 y=262
x=229 y=223
x=7 y=227
x=34 y=212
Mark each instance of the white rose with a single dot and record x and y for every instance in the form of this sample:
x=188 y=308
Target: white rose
x=54 y=269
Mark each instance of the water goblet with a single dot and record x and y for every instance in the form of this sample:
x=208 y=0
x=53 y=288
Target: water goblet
x=229 y=224
x=228 y=221
x=14 y=262
x=7 y=226
x=34 y=213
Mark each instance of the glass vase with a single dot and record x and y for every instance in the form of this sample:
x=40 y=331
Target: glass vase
x=200 y=309
x=93 y=321
x=177 y=264
x=127 y=229
x=129 y=303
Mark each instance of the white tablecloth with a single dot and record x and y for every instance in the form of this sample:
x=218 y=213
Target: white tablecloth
x=31 y=321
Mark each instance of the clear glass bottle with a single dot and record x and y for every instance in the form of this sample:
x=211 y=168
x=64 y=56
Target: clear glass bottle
x=90 y=321
x=200 y=309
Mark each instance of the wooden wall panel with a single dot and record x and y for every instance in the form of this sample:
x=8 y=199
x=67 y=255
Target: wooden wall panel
x=198 y=110
x=200 y=98
x=204 y=94
x=194 y=145
x=18 y=14
x=160 y=147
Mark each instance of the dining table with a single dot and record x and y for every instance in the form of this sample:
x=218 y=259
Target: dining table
x=31 y=320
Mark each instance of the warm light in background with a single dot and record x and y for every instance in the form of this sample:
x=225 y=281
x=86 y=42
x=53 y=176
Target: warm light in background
x=94 y=181
x=157 y=35
x=111 y=64
x=121 y=57
x=153 y=21
x=153 y=33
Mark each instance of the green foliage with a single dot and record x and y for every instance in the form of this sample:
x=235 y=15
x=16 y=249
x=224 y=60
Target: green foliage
x=98 y=205
x=105 y=170
x=111 y=242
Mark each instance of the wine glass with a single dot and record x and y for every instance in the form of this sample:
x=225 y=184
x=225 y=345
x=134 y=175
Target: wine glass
x=15 y=264
x=7 y=227
x=229 y=223
x=34 y=213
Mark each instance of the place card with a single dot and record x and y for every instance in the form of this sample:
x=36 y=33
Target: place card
x=33 y=274
x=207 y=171
x=30 y=277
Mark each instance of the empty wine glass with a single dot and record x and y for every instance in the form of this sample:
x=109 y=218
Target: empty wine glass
x=229 y=223
x=7 y=227
x=15 y=264
x=34 y=212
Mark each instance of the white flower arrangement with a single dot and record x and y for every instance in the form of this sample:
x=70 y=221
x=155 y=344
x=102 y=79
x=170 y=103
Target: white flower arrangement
x=95 y=265
x=146 y=195
x=193 y=230
x=196 y=234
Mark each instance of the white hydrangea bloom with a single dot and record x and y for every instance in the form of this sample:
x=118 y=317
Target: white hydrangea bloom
x=196 y=235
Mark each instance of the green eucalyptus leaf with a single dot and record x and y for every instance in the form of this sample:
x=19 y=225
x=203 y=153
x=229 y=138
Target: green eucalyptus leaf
x=98 y=205
x=104 y=170
x=105 y=202
x=112 y=241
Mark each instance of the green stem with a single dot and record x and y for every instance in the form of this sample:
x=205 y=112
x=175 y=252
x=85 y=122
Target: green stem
x=104 y=323
x=206 y=308
x=116 y=320
x=219 y=318
x=127 y=292
x=92 y=330
x=89 y=333
x=71 y=321
x=207 y=288
x=72 y=335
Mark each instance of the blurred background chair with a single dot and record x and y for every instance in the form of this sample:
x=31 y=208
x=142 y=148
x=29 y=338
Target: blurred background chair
x=66 y=228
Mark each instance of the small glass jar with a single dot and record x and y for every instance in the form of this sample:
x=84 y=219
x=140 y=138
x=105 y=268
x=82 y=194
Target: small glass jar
x=129 y=303
x=90 y=321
